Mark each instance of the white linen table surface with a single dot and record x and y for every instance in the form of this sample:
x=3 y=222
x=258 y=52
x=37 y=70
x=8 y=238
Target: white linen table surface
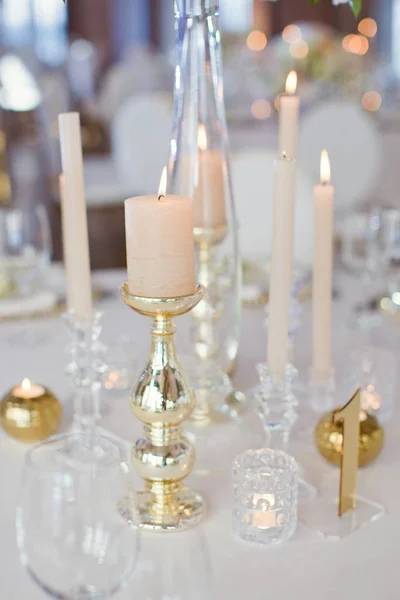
x=363 y=566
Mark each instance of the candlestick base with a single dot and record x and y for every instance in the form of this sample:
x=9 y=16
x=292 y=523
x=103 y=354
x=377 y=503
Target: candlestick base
x=216 y=398
x=163 y=399
x=185 y=510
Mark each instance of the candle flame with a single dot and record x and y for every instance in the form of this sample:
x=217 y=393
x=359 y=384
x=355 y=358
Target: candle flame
x=26 y=384
x=325 y=167
x=202 y=138
x=162 y=190
x=291 y=83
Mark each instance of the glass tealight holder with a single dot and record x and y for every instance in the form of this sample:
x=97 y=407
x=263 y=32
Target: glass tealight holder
x=265 y=496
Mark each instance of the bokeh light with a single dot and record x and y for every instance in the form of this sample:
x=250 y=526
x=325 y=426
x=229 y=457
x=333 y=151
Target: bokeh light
x=291 y=34
x=299 y=50
x=356 y=44
x=261 y=109
x=257 y=41
x=368 y=27
x=372 y=101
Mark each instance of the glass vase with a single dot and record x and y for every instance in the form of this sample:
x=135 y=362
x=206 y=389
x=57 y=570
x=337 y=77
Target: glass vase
x=199 y=167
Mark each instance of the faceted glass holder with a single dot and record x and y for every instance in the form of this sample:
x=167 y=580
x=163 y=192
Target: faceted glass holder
x=321 y=515
x=86 y=368
x=265 y=496
x=276 y=403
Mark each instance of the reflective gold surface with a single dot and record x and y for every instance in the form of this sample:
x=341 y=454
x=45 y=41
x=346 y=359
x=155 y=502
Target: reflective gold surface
x=163 y=399
x=349 y=417
x=329 y=439
x=30 y=419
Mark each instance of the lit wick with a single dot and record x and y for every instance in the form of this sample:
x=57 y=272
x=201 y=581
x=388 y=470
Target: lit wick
x=163 y=184
x=325 y=168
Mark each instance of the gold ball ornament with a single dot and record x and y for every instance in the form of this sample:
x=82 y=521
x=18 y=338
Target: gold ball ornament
x=329 y=439
x=30 y=419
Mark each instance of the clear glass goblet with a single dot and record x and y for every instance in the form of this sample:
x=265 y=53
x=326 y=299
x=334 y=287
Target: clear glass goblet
x=367 y=239
x=71 y=538
x=173 y=567
x=25 y=250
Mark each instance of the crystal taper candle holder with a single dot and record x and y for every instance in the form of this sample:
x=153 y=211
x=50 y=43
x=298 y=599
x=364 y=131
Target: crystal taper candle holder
x=276 y=404
x=163 y=399
x=86 y=368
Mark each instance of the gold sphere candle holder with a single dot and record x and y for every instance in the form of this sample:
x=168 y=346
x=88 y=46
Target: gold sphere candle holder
x=30 y=413
x=329 y=439
x=163 y=399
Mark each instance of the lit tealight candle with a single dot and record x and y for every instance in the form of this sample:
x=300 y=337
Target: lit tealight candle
x=289 y=107
x=322 y=272
x=28 y=390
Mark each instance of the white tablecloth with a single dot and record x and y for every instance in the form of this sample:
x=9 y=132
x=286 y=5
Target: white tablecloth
x=362 y=566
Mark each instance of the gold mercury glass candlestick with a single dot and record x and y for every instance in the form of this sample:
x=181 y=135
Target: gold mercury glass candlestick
x=162 y=400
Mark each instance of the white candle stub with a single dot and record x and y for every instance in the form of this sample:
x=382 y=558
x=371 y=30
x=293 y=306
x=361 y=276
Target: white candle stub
x=28 y=390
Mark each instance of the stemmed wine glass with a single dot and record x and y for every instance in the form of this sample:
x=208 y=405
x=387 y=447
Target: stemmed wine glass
x=25 y=250
x=366 y=251
x=71 y=538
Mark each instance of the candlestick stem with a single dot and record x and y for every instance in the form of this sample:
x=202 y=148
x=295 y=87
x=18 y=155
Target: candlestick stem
x=162 y=400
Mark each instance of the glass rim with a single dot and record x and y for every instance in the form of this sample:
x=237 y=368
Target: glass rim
x=31 y=464
x=238 y=463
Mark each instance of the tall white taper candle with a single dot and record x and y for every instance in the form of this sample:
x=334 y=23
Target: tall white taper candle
x=289 y=107
x=281 y=266
x=322 y=273
x=74 y=217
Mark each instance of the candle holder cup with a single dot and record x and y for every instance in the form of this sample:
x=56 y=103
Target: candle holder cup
x=163 y=399
x=265 y=496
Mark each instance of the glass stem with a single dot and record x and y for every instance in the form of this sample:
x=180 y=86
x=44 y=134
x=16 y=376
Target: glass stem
x=277 y=438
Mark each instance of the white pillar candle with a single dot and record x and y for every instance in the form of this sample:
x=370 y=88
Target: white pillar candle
x=281 y=265
x=160 y=245
x=322 y=272
x=74 y=218
x=289 y=106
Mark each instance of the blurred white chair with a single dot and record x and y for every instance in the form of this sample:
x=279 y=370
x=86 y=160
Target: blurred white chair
x=140 y=138
x=141 y=71
x=253 y=181
x=354 y=146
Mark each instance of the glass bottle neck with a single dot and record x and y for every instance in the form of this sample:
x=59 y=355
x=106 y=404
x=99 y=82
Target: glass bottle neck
x=196 y=8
